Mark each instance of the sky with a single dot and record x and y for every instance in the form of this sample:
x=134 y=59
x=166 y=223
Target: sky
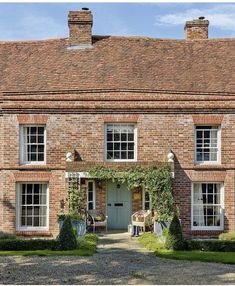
x=34 y=21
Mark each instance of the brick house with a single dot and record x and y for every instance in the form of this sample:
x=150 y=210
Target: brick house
x=117 y=101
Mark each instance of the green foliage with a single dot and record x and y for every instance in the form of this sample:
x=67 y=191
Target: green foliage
x=72 y=216
x=157 y=181
x=88 y=241
x=211 y=245
x=28 y=244
x=227 y=236
x=6 y=235
x=67 y=239
x=174 y=238
x=76 y=199
x=151 y=241
x=47 y=247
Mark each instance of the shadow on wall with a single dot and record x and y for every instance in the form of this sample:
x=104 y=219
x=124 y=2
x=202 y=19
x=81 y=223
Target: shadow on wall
x=182 y=195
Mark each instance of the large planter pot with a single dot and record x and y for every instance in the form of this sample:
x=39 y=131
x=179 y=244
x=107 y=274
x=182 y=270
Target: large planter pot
x=159 y=226
x=79 y=225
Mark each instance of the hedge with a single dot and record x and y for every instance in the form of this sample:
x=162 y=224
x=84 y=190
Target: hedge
x=28 y=244
x=211 y=245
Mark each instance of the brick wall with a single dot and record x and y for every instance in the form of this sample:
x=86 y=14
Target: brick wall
x=85 y=134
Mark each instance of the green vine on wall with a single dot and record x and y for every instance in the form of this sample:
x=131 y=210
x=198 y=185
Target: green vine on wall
x=76 y=198
x=156 y=180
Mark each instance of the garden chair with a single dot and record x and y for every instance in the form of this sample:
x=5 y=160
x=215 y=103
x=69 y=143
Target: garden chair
x=96 y=219
x=142 y=218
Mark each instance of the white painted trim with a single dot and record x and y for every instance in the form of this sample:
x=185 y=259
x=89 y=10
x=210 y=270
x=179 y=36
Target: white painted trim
x=94 y=194
x=77 y=174
x=218 y=162
x=35 y=228
x=22 y=145
x=209 y=228
x=135 y=142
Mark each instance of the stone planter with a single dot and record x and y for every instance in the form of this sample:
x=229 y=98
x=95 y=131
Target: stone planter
x=159 y=226
x=79 y=225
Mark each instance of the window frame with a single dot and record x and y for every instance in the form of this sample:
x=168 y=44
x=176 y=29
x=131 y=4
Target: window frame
x=218 y=145
x=18 y=207
x=135 y=142
x=143 y=200
x=209 y=228
x=22 y=145
x=94 y=195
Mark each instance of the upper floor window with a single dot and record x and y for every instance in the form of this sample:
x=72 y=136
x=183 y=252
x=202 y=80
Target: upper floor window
x=33 y=141
x=207 y=206
x=121 y=142
x=207 y=144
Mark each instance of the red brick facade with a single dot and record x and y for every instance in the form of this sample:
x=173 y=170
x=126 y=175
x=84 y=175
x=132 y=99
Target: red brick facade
x=75 y=92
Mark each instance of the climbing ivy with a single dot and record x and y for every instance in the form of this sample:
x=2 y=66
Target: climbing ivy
x=156 y=180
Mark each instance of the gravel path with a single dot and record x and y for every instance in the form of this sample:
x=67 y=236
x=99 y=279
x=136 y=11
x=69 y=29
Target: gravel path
x=120 y=260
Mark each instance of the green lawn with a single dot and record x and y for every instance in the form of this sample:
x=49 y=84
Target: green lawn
x=87 y=247
x=150 y=242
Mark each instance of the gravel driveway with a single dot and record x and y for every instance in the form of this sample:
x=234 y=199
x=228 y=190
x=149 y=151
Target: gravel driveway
x=120 y=260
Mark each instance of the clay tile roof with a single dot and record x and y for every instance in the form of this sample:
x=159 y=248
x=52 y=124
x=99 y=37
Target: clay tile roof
x=119 y=63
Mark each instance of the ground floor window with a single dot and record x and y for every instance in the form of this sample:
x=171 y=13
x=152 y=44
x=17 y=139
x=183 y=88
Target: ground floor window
x=32 y=206
x=91 y=195
x=147 y=204
x=207 y=206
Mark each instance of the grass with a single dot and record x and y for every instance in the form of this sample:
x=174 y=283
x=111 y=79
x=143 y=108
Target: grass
x=87 y=247
x=150 y=241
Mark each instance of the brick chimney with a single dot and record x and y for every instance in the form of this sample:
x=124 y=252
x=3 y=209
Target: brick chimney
x=196 y=29
x=80 y=28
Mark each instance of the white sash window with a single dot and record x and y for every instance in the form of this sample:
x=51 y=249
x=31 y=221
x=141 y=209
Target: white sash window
x=207 y=206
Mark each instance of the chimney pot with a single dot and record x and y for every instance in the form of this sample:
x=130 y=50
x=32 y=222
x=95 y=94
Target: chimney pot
x=196 y=29
x=80 y=28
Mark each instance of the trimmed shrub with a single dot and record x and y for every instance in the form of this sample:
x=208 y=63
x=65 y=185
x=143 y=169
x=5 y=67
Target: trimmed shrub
x=28 y=244
x=227 y=236
x=211 y=245
x=6 y=235
x=174 y=238
x=67 y=239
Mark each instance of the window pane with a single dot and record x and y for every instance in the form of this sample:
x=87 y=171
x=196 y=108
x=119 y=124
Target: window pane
x=33 y=130
x=116 y=155
x=110 y=155
x=40 y=157
x=117 y=146
x=130 y=155
x=90 y=196
x=41 y=130
x=124 y=137
x=43 y=221
x=123 y=155
x=131 y=137
x=116 y=137
x=110 y=146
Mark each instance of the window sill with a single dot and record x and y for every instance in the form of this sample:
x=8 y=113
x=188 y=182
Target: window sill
x=32 y=229
x=33 y=166
x=120 y=161
x=209 y=166
x=200 y=229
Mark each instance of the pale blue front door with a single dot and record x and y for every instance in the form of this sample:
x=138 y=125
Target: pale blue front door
x=118 y=206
